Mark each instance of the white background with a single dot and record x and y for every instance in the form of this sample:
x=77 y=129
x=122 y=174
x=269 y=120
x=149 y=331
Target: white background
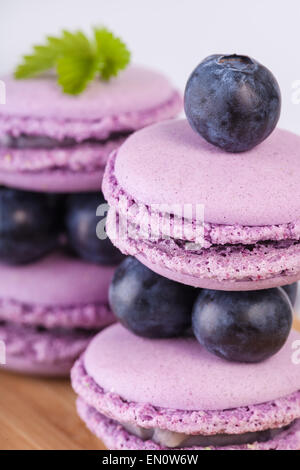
x=171 y=35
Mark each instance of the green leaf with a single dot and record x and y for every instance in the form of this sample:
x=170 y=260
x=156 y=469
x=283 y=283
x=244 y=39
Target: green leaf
x=78 y=63
x=74 y=73
x=73 y=43
x=76 y=58
x=112 y=52
x=43 y=58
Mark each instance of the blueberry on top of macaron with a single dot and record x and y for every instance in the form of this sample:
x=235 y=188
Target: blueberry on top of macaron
x=232 y=101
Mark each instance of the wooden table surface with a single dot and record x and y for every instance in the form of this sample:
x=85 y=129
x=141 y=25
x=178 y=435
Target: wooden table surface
x=40 y=414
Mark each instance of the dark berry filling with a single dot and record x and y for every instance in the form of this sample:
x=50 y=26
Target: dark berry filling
x=26 y=141
x=172 y=439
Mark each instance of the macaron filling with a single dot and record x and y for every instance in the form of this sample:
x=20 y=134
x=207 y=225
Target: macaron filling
x=25 y=141
x=172 y=439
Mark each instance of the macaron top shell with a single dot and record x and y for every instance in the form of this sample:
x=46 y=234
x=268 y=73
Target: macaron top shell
x=56 y=280
x=181 y=375
x=168 y=163
x=135 y=89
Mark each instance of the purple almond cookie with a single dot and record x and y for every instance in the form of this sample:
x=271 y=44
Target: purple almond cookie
x=49 y=311
x=50 y=141
x=137 y=393
x=251 y=201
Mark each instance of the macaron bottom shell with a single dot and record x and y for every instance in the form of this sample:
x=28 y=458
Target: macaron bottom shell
x=229 y=285
x=47 y=352
x=53 y=181
x=24 y=366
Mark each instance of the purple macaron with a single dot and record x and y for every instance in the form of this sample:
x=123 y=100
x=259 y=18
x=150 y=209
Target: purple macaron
x=49 y=311
x=137 y=393
x=251 y=207
x=51 y=140
x=54 y=270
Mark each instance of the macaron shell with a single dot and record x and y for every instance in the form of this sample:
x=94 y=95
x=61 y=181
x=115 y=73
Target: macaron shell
x=221 y=267
x=116 y=437
x=30 y=350
x=93 y=316
x=24 y=366
x=54 y=181
x=226 y=285
x=56 y=280
x=135 y=89
x=168 y=163
x=180 y=374
x=233 y=257
x=276 y=413
x=70 y=169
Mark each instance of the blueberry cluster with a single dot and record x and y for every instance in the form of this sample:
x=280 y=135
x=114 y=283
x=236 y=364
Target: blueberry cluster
x=237 y=326
x=33 y=224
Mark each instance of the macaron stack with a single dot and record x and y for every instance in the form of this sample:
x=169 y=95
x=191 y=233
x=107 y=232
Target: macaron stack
x=54 y=270
x=206 y=357
x=52 y=141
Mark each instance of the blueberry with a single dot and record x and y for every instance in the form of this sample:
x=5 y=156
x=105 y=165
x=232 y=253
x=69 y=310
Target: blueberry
x=291 y=290
x=232 y=101
x=28 y=225
x=148 y=304
x=81 y=223
x=242 y=326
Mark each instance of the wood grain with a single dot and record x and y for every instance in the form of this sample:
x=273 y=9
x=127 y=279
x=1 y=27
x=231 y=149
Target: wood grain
x=297 y=323
x=40 y=414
